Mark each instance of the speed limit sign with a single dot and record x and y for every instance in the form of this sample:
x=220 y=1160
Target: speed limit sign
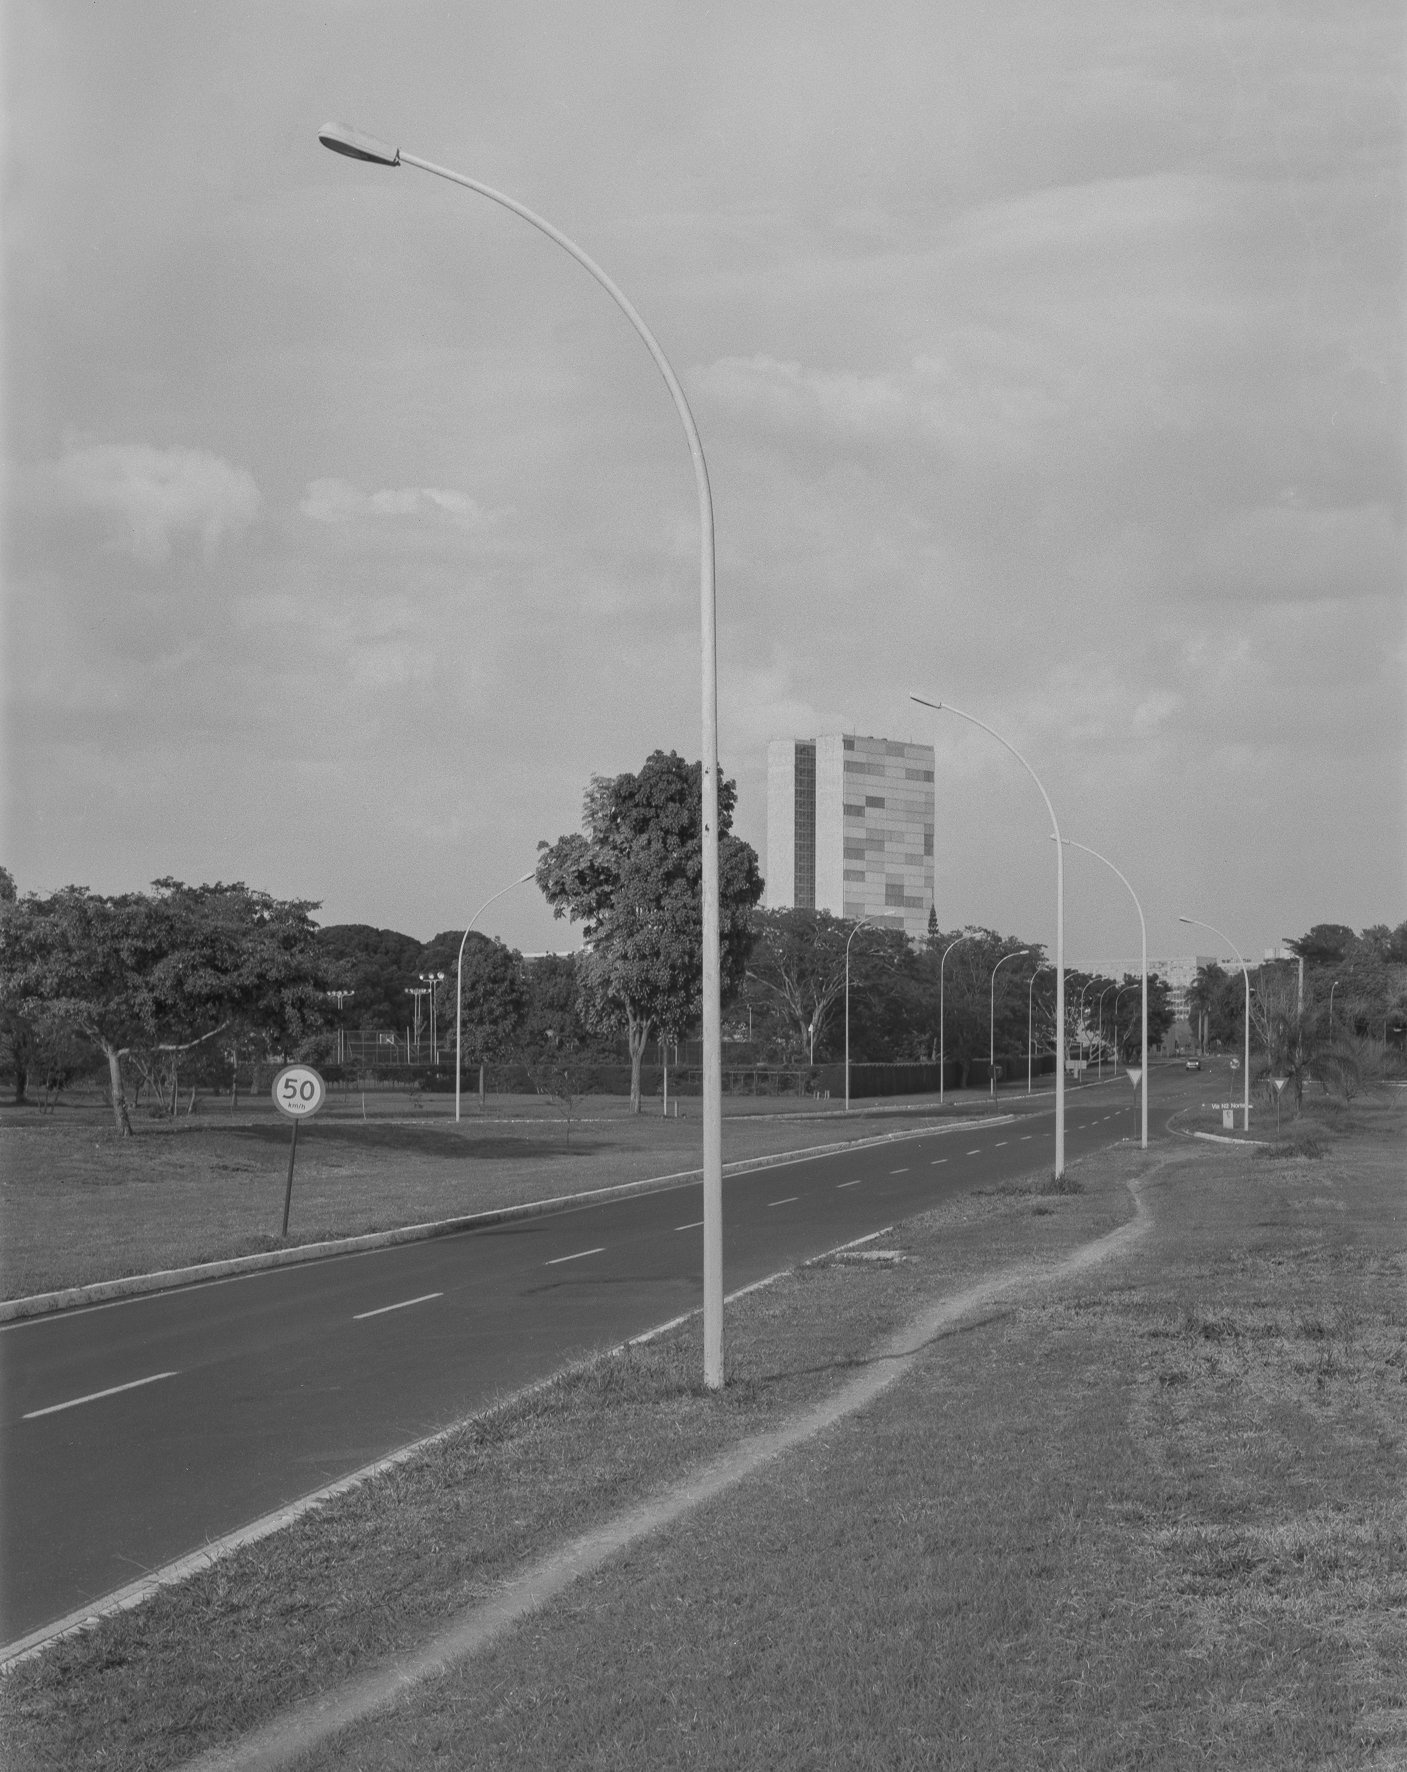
x=299 y=1091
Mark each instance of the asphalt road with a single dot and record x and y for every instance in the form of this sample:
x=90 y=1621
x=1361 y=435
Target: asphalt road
x=134 y=1432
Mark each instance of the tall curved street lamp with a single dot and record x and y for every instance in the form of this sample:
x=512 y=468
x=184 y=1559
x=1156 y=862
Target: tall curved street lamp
x=365 y=147
x=1246 y=1076
x=853 y=933
x=947 y=707
x=992 y=1023
x=1122 y=991
x=1030 y=1006
x=942 y=1025
x=1143 y=928
x=459 y=984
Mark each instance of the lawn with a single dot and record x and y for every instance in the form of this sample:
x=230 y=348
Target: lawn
x=78 y=1204
x=1151 y=1517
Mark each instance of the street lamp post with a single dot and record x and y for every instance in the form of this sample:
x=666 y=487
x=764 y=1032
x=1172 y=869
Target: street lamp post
x=1143 y=928
x=942 y=1048
x=434 y=980
x=1059 y=918
x=1030 y=1037
x=1099 y=1038
x=992 y=1023
x=1122 y=991
x=1246 y=1077
x=1332 y=988
x=459 y=986
x=363 y=147
x=853 y=933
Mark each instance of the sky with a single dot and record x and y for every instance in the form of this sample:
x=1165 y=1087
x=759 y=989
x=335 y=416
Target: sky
x=1047 y=361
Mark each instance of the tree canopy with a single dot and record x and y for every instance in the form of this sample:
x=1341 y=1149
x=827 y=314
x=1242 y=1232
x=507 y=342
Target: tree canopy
x=633 y=878
x=146 y=977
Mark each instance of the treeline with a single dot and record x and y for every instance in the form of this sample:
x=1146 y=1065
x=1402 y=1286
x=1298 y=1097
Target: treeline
x=1335 y=1013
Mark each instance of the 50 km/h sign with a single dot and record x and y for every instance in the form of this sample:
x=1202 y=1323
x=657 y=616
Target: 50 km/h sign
x=299 y=1091
x=298 y=1094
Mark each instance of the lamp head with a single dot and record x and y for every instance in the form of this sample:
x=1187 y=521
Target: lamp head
x=357 y=146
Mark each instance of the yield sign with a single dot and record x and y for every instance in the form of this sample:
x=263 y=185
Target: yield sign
x=1279 y=1083
x=1134 y=1072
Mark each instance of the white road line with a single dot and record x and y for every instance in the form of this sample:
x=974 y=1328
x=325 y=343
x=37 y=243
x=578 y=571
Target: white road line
x=559 y=1259
x=898 y=1172
x=1026 y=1137
x=855 y=1183
x=790 y=1200
x=697 y=1225
x=974 y=1153
x=93 y=1396
x=936 y=1161
x=998 y=1145
x=405 y=1304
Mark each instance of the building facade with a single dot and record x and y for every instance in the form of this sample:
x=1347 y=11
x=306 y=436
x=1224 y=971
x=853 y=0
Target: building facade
x=850 y=829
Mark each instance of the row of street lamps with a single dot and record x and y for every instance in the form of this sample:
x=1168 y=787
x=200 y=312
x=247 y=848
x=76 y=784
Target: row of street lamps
x=369 y=149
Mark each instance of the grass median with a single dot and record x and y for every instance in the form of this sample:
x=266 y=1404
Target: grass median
x=1154 y=1518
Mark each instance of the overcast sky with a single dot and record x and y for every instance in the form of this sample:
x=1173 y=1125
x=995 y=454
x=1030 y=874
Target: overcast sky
x=1046 y=360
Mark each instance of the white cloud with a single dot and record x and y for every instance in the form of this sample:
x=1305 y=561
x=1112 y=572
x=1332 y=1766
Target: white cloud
x=1281 y=554
x=156 y=496
x=335 y=501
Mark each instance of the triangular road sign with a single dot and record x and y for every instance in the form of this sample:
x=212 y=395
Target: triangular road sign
x=1134 y=1072
x=1279 y=1083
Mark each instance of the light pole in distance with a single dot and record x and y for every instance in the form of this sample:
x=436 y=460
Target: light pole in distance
x=992 y=1025
x=364 y=147
x=853 y=933
x=947 y=707
x=459 y=985
x=1246 y=1078
x=1030 y=1005
x=942 y=1049
x=1143 y=929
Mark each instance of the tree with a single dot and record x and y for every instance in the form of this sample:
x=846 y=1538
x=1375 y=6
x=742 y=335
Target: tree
x=966 y=1033
x=152 y=976
x=797 y=970
x=1160 y=1016
x=1221 y=997
x=1324 y=945
x=633 y=879
x=379 y=966
x=495 y=999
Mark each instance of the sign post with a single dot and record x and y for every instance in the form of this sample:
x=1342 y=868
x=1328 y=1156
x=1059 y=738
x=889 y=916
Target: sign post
x=1134 y=1072
x=1279 y=1083
x=299 y=1093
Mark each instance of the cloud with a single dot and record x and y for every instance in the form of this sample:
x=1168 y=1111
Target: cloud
x=1282 y=554
x=156 y=496
x=335 y=501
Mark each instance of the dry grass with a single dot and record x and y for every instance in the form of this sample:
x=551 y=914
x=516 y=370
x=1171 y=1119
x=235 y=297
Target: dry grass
x=1155 y=1521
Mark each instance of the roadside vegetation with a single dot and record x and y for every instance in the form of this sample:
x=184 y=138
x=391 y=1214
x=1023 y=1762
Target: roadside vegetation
x=1152 y=1517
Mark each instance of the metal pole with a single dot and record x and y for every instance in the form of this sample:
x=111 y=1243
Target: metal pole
x=948 y=707
x=1143 y=927
x=1246 y=1060
x=853 y=933
x=350 y=142
x=1030 y=1036
x=992 y=1042
x=942 y=1054
x=288 y=1191
x=459 y=991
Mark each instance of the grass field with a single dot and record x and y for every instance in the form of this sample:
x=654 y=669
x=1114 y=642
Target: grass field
x=78 y=1204
x=1152 y=1518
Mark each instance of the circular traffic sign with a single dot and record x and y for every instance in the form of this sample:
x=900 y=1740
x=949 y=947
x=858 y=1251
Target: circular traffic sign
x=299 y=1091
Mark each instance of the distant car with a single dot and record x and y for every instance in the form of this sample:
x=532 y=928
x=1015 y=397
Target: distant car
x=1194 y=1064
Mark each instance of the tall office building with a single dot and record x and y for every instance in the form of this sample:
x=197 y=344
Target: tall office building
x=850 y=829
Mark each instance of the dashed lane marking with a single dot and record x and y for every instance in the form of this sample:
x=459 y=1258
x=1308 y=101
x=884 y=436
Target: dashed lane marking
x=94 y=1396
x=404 y=1304
x=898 y=1172
x=559 y=1259
x=936 y=1161
x=697 y=1225
x=790 y=1200
x=974 y=1153
x=840 y=1184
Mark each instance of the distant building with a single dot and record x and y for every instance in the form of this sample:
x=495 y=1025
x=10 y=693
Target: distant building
x=850 y=829
x=1178 y=972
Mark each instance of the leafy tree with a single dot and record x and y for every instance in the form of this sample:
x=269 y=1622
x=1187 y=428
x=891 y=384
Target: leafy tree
x=152 y=976
x=378 y=966
x=1160 y=1016
x=967 y=995
x=1221 y=997
x=1324 y=945
x=796 y=982
x=495 y=998
x=633 y=879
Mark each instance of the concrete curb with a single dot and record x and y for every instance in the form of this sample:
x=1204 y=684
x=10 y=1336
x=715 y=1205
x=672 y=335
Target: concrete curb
x=1219 y=1138
x=41 y=1304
